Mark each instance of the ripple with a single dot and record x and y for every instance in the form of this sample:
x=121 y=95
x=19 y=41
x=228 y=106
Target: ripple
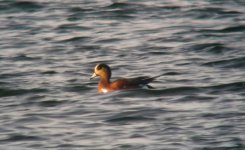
x=212 y=12
x=178 y=90
x=222 y=115
x=119 y=5
x=142 y=114
x=25 y=6
x=77 y=88
x=171 y=73
x=50 y=103
x=21 y=137
x=234 y=86
x=24 y=57
x=76 y=39
x=4 y=92
x=71 y=27
x=196 y=98
x=227 y=63
x=128 y=119
x=49 y=72
x=238 y=28
x=229 y=29
x=212 y=48
x=80 y=10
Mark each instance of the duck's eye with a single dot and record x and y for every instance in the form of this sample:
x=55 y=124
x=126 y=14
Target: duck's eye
x=99 y=67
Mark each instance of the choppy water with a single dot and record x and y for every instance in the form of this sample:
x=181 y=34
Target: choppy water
x=49 y=48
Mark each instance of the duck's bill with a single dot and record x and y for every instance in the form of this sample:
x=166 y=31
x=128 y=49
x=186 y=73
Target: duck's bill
x=93 y=76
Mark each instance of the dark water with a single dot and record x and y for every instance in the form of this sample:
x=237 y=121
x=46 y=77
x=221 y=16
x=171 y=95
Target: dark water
x=49 y=48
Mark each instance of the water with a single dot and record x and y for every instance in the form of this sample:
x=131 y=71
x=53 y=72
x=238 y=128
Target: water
x=48 y=50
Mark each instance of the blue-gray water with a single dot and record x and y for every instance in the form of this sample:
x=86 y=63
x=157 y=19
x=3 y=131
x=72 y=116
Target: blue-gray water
x=48 y=50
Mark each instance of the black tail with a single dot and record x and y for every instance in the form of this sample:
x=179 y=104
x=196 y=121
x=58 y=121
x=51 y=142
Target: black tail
x=143 y=80
x=147 y=80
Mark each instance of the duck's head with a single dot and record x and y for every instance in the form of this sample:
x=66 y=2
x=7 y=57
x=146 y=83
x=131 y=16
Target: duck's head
x=103 y=71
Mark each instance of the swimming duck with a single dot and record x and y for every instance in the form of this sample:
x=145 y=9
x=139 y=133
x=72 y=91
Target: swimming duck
x=105 y=85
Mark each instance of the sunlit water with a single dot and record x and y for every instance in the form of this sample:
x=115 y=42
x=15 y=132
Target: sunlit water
x=48 y=50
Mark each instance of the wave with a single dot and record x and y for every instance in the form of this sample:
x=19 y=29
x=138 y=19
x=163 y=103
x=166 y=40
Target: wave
x=5 y=92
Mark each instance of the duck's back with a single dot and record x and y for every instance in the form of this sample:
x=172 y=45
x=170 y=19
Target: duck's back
x=128 y=83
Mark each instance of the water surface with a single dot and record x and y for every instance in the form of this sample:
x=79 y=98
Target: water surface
x=48 y=50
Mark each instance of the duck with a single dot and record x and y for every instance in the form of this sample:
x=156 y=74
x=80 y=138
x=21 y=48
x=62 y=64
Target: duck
x=103 y=71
